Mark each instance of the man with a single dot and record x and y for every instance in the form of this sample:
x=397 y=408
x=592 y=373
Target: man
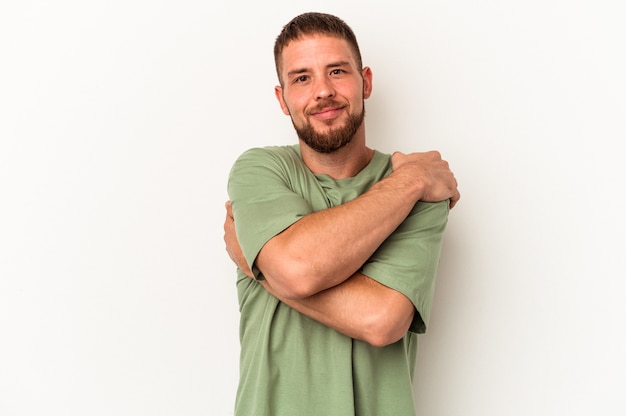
x=337 y=245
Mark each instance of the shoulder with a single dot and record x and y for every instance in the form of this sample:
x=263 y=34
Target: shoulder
x=267 y=165
x=381 y=162
x=282 y=161
x=278 y=154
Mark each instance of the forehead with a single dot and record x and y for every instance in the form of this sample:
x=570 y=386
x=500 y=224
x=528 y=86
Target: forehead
x=313 y=50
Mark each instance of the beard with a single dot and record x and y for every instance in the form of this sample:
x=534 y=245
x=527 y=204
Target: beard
x=333 y=139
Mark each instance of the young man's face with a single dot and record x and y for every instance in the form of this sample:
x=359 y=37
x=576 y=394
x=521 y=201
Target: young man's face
x=323 y=91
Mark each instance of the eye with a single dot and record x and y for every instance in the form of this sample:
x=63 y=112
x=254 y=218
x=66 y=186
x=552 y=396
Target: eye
x=336 y=71
x=301 y=78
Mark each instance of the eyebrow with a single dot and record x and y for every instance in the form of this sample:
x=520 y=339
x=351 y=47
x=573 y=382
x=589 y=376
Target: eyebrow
x=329 y=66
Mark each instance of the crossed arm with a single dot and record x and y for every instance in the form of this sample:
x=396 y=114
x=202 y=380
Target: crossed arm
x=358 y=307
x=327 y=286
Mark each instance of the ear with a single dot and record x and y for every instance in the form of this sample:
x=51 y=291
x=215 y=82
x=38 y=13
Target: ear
x=278 y=91
x=367 y=82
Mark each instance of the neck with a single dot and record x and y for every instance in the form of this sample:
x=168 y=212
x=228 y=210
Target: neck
x=343 y=163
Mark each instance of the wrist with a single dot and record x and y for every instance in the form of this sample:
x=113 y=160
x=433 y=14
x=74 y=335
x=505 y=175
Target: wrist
x=409 y=188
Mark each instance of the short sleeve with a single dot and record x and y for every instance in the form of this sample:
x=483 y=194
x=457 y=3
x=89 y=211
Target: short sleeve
x=408 y=260
x=263 y=198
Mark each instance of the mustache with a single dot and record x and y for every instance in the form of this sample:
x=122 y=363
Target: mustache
x=324 y=105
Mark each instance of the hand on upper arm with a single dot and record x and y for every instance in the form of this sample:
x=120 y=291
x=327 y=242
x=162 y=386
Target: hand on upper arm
x=432 y=172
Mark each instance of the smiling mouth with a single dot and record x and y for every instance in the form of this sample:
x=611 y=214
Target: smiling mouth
x=326 y=113
x=326 y=109
x=324 y=106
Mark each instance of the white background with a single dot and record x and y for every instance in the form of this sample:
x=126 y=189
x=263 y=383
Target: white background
x=119 y=121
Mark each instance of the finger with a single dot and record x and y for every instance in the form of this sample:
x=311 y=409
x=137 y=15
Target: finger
x=455 y=199
x=435 y=154
x=229 y=209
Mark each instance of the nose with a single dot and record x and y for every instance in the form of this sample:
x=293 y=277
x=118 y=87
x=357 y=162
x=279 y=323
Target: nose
x=324 y=88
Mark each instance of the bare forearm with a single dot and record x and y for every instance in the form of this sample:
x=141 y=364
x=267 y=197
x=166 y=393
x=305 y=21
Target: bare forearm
x=325 y=248
x=360 y=308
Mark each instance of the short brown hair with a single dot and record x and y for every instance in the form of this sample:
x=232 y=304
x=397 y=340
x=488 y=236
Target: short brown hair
x=310 y=24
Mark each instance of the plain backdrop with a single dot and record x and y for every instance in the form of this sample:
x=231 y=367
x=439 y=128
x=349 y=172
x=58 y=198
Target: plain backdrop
x=119 y=121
